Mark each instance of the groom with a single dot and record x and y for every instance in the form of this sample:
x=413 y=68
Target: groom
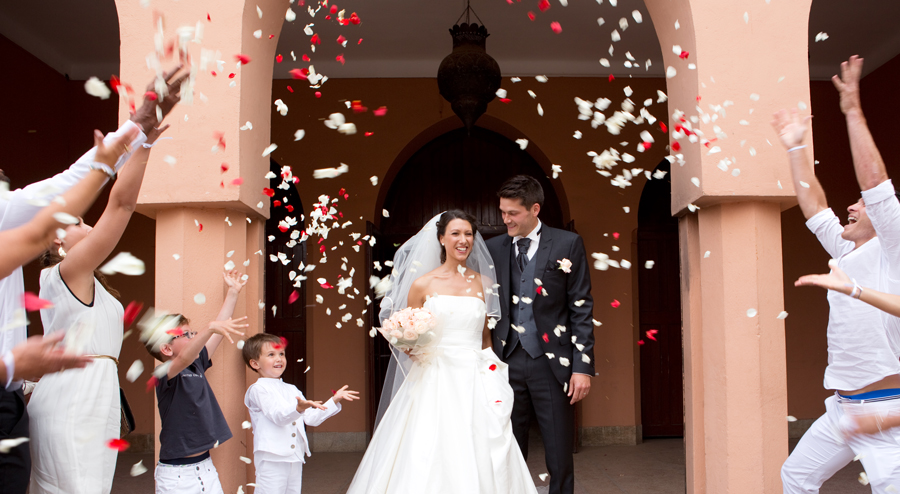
x=545 y=333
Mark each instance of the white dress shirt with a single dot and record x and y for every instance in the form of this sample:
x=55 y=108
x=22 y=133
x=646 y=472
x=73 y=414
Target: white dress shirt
x=883 y=209
x=19 y=207
x=859 y=352
x=278 y=428
x=535 y=240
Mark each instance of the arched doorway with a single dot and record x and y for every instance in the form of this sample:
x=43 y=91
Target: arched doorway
x=289 y=319
x=659 y=291
x=454 y=170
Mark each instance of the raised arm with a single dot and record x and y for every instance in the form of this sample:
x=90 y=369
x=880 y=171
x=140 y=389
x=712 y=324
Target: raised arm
x=235 y=284
x=190 y=353
x=867 y=162
x=26 y=242
x=792 y=130
x=77 y=268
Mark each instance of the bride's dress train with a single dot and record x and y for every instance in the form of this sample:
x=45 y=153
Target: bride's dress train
x=448 y=428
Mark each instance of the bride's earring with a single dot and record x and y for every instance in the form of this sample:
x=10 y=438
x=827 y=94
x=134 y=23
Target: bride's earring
x=61 y=251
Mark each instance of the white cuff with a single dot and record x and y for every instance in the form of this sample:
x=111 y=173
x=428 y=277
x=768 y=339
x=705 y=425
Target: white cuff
x=883 y=191
x=820 y=218
x=136 y=143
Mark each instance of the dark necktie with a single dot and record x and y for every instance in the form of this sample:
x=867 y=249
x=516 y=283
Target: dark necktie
x=522 y=258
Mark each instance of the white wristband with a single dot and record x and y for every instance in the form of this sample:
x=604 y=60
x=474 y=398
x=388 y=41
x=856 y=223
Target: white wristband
x=10 y=363
x=795 y=148
x=103 y=167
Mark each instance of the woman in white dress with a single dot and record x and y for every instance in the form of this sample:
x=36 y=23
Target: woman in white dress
x=76 y=412
x=447 y=427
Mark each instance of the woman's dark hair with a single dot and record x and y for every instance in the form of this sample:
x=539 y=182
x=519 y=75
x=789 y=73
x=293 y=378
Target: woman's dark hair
x=445 y=219
x=51 y=258
x=524 y=188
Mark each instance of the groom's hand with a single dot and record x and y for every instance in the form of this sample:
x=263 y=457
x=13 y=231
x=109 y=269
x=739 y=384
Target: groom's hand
x=579 y=385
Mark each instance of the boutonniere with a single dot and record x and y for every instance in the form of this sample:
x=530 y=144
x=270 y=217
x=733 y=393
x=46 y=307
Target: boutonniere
x=565 y=265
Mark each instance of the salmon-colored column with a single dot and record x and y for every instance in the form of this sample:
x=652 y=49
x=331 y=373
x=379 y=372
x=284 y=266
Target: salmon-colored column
x=737 y=63
x=211 y=173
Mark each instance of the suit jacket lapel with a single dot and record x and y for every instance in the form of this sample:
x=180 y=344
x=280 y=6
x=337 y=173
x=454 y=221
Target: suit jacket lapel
x=543 y=253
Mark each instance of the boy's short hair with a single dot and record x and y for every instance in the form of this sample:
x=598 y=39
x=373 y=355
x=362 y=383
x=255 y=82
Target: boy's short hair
x=254 y=345
x=154 y=349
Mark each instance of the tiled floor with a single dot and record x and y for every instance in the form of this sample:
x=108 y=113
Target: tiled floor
x=654 y=467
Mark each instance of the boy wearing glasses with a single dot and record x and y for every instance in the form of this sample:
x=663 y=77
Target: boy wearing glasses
x=192 y=422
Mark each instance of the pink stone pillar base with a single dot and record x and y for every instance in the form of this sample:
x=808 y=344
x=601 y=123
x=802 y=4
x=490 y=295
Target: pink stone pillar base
x=734 y=359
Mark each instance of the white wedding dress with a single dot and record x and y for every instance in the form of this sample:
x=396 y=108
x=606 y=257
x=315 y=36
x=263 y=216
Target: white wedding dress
x=447 y=429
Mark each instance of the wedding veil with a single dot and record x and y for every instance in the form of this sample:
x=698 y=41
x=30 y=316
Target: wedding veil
x=421 y=254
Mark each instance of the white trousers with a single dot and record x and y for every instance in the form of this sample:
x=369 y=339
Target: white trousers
x=198 y=478
x=278 y=477
x=823 y=450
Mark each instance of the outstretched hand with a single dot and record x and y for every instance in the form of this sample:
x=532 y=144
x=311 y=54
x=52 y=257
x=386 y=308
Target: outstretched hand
x=146 y=115
x=40 y=355
x=302 y=405
x=345 y=394
x=848 y=83
x=791 y=130
x=228 y=327
x=109 y=154
x=836 y=280
x=234 y=281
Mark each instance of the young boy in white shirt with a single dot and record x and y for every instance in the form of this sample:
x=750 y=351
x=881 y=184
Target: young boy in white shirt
x=278 y=412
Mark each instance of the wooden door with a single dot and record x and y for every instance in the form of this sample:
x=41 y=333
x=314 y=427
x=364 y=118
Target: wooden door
x=288 y=320
x=659 y=291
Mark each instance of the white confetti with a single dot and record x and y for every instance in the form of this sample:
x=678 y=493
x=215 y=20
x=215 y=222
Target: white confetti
x=649 y=265
x=269 y=149
x=135 y=371
x=299 y=134
x=821 y=36
x=544 y=477
x=229 y=265
x=124 y=263
x=385 y=213
x=96 y=87
x=66 y=218
x=751 y=312
x=523 y=143
x=540 y=110
x=746 y=18
x=246 y=425
x=257 y=34
x=331 y=172
x=138 y=469
x=637 y=16
x=245 y=459
x=695 y=181
x=782 y=315
x=863 y=478
x=199 y=299
x=791 y=418
x=240 y=344
x=670 y=72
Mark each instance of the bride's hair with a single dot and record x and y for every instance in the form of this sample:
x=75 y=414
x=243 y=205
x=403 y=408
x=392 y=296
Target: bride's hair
x=445 y=219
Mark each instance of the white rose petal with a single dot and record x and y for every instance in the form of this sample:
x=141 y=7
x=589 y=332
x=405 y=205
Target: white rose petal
x=637 y=16
x=138 y=469
x=135 y=371
x=331 y=172
x=199 y=299
x=670 y=72
x=124 y=263
x=751 y=312
x=791 y=418
x=240 y=344
x=245 y=459
x=66 y=218
x=782 y=315
x=96 y=87
x=246 y=424
x=229 y=265
x=299 y=134
x=269 y=149
x=649 y=265
x=523 y=143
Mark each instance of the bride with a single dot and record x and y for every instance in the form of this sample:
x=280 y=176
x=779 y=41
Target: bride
x=443 y=424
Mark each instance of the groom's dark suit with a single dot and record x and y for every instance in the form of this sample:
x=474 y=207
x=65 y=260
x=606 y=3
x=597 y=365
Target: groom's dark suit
x=537 y=379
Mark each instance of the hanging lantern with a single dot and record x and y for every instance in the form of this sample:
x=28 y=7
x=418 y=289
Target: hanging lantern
x=468 y=77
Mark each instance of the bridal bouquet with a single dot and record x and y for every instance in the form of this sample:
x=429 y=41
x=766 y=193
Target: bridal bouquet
x=410 y=330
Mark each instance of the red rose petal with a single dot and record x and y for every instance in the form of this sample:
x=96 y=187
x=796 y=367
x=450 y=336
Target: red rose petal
x=315 y=39
x=318 y=94
x=326 y=285
x=493 y=367
x=231 y=75
x=556 y=27
x=544 y=5
x=531 y=15
x=224 y=167
x=616 y=235
x=279 y=58
x=615 y=304
x=683 y=55
x=340 y=58
x=271 y=36
x=220 y=136
x=32 y=302
x=663 y=127
x=651 y=334
x=611 y=77
x=175 y=332
x=354 y=19
x=334 y=9
x=646 y=145
x=276 y=203
x=545 y=338
x=341 y=39
x=151 y=383
x=150 y=95
x=244 y=59
x=269 y=192
x=289 y=208
x=290 y=89
x=283 y=228
x=131 y=312
x=114 y=83
x=676 y=146
x=640 y=342
x=237 y=181
x=118 y=444
x=293 y=297
x=305 y=57
x=297 y=74
x=380 y=112
x=367 y=134
x=201 y=227
x=208 y=18
x=505 y=100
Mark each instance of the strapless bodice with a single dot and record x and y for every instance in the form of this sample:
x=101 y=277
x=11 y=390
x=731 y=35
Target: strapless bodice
x=460 y=320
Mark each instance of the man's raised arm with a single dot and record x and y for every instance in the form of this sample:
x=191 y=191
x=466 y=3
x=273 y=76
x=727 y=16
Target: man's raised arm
x=792 y=131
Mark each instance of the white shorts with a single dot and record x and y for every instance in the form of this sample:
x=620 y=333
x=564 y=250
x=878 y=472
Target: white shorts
x=278 y=477
x=197 y=478
x=823 y=450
